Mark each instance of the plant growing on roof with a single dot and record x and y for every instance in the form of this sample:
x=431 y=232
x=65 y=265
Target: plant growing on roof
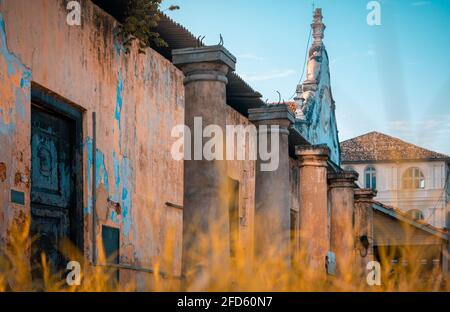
x=141 y=18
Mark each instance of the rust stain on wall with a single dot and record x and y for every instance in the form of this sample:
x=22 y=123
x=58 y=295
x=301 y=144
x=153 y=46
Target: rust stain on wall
x=27 y=175
x=17 y=178
x=20 y=156
x=2 y=172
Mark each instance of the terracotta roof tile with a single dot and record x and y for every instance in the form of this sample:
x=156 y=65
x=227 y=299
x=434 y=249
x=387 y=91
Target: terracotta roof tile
x=375 y=146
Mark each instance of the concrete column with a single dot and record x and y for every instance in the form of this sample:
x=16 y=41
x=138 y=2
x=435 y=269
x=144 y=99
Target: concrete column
x=313 y=212
x=342 y=186
x=446 y=249
x=205 y=215
x=272 y=194
x=363 y=229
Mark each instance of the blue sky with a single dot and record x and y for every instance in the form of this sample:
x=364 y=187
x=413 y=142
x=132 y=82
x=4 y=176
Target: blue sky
x=393 y=78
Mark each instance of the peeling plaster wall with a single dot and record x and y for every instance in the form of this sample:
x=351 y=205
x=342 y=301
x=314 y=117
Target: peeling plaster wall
x=138 y=98
x=320 y=126
x=15 y=78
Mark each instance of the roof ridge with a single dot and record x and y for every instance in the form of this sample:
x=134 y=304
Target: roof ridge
x=375 y=145
x=415 y=145
x=411 y=144
x=361 y=135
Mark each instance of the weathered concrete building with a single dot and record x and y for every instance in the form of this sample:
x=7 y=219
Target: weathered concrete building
x=86 y=152
x=54 y=77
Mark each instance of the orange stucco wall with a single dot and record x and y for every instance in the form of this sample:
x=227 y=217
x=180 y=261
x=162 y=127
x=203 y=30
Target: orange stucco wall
x=138 y=99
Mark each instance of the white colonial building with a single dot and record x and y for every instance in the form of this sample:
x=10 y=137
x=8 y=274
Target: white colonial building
x=405 y=176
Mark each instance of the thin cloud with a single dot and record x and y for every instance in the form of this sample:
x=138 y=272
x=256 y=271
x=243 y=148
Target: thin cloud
x=269 y=76
x=421 y=3
x=431 y=133
x=334 y=61
x=371 y=53
x=250 y=56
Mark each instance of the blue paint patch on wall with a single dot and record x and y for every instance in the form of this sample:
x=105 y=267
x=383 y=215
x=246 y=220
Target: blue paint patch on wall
x=21 y=93
x=88 y=148
x=6 y=129
x=119 y=99
x=25 y=82
x=9 y=57
x=123 y=186
x=19 y=101
x=14 y=64
x=116 y=164
x=101 y=171
x=127 y=189
x=123 y=189
x=114 y=217
x=118 y=46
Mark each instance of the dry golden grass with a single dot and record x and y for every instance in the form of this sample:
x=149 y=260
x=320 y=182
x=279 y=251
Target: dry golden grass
x=271 y=273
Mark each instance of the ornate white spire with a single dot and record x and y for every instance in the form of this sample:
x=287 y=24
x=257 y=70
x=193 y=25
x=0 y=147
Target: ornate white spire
x=318 y=27
x=306 y=90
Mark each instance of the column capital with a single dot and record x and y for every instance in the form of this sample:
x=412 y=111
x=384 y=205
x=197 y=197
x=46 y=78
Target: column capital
x=365 y=195
x=345 y=178
x=313 y=155
x=272 y=115
x=210 y=63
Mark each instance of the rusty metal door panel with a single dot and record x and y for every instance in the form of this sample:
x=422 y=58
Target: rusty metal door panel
x=52 y=182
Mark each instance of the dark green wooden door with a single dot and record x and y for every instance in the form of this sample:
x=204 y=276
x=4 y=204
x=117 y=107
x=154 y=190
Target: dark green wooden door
x=52 y=184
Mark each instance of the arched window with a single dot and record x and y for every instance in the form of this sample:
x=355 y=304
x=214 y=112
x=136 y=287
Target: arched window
x=370 y=176
x=413 y=178
x=416 y=214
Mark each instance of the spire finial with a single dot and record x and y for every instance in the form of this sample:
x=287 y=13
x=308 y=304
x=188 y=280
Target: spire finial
x=318 y=27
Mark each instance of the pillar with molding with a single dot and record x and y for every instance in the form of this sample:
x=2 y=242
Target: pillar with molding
x=363 y=229
x=205 y=215
x=272 y=187
x=313 y=212
x=342 y=235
